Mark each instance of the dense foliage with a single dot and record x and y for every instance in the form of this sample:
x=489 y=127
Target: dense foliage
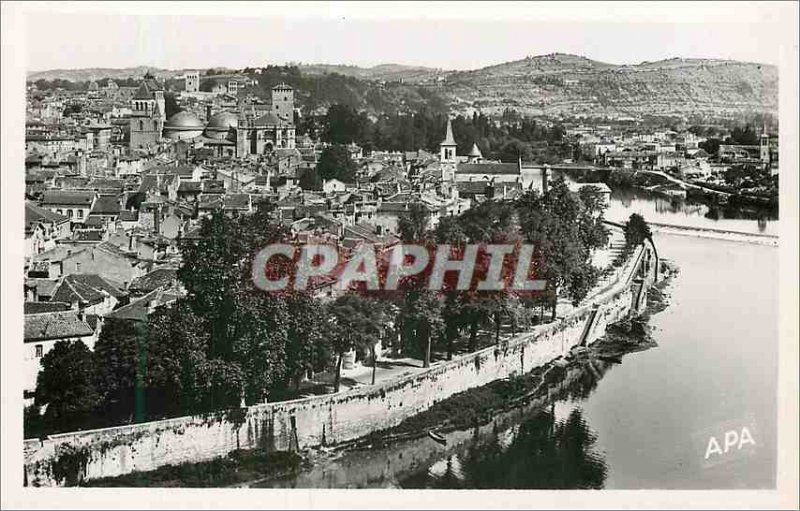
x=509 y=140
x=227 y=343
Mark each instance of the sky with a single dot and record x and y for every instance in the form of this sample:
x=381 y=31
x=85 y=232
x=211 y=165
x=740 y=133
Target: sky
x=448 y=35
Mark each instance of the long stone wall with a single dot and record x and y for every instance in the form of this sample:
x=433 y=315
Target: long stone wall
x=334 y=418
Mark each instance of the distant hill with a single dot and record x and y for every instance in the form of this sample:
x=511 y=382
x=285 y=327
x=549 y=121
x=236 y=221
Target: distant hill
x=555 y=84
x=83 y=75
x=387 y=72
x=569 y=84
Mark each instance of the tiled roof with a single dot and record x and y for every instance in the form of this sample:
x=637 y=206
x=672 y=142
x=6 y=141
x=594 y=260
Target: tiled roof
x=55 y=325
x=128 y=216
x=399 y=207
x=488 y=168
x=146 y=89
x=59 y=253
x=213 y=186
x=67 y=198
x=472 y=187
x=184 y=170
x=39 y=307
x=105 y=183
x=268 y=119
x=94 y=221
x=95 y=235
x=106 y=205
x=89 y=288
x=44 y=287
x=155 y=279
x=212 y=201
x=35 y=214
x=236 y=201
x=138 y=309
x=190 y=187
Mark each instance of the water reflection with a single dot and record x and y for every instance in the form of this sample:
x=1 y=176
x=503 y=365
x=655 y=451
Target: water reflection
x=677 y=211
x=550 y=447
x=540 y=453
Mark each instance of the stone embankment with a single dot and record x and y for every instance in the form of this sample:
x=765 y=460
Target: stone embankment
x=718 y=234
x=331 y=419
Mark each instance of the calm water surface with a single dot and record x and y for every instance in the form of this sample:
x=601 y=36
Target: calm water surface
x=644 y=423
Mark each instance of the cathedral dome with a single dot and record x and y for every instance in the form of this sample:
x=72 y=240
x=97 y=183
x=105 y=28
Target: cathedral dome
x=220 y=124
x=182 y=126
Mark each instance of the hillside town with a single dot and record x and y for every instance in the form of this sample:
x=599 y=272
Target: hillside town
x=147 y=201
x=116 y=188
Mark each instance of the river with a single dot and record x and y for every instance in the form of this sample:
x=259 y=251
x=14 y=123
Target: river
x=645 y=423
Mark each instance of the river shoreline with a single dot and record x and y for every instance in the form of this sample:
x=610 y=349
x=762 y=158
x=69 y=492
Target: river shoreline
x=464 y=411
x=716 y=234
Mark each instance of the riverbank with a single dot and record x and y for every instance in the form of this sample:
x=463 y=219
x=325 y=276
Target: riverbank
x=717 y=234
x=237 y=467
x=464 y=411
x=664 y=185
x=332 y=419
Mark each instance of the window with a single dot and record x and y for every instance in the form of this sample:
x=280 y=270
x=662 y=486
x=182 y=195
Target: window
x=38 y=351
x=60 y=211
x=69 y=213
x=276 y=107
x=80 y=213
x=141 y=125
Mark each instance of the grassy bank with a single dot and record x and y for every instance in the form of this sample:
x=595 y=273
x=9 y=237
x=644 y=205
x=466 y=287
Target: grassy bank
x=461 y=411
x=238 y=467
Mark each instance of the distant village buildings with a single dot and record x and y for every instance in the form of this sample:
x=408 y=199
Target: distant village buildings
x=116 y=189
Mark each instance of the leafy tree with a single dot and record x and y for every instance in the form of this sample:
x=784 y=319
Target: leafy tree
x=121 y=362
x=412 y=225
x=353 y=322
x=593 y=232
x=343 y=125
x=422 y=316
x=170 y=104
x=306 y=349
x=259 y=341
x=72 y=109
x=553 y=223
x=310 y=180
x=711 y=146
x=177 y=348
x=67 y=385
x=743 y=136
x=636 y=230
x=335 y=163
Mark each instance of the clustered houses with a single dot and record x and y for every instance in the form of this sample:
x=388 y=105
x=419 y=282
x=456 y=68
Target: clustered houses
x=666 y=150
x=115 y=188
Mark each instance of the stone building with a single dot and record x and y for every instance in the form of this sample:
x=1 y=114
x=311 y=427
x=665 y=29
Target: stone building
x=148 y=115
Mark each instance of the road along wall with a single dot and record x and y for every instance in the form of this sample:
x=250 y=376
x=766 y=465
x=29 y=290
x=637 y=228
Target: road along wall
x=68 y=458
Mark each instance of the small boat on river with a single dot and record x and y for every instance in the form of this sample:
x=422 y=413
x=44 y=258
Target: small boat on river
x=436 y=436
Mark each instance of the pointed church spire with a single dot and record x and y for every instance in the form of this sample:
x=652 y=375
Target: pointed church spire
x=448 y=138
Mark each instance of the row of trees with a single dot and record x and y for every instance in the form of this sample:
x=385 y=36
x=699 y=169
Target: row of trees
x=228 y=343
x=224 y=344
x=563 y=226
x=425 y=129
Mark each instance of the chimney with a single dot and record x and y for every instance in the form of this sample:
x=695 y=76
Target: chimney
x=82 y=310
x=544 y=179
x=157 y=220
x=208 y=112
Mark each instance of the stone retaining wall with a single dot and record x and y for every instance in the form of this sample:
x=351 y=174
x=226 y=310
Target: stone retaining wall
x=327 y=419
